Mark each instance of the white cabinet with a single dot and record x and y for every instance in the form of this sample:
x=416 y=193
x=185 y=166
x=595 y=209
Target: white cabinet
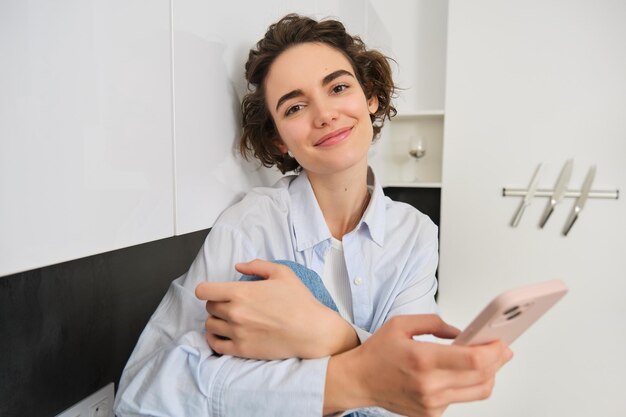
x=85 y=129
x=210 y=46
x=530 y=82
x=417 y=41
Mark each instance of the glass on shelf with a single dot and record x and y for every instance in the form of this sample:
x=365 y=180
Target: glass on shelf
x=417 y=150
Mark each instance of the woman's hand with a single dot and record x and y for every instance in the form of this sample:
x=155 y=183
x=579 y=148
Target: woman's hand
x=275 y=318
x=393 y=371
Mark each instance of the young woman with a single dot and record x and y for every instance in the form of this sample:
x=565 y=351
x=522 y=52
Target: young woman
x=318 y=99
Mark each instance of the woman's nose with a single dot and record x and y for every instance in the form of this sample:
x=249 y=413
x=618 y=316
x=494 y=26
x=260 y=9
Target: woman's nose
x=325 y=113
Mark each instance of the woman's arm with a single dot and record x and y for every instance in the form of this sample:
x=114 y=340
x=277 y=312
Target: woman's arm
x=173 y=373
x=275 y=318
x=393 y=371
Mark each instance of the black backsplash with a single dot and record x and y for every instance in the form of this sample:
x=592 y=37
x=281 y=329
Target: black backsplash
x=67 y=330
x=426 y=200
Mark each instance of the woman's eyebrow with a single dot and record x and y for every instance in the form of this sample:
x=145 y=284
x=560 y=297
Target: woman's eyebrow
x=289 y=95
x=335 y=74
x=327 y=79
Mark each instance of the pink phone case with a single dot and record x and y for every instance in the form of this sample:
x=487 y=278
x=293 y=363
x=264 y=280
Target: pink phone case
x=511 y=313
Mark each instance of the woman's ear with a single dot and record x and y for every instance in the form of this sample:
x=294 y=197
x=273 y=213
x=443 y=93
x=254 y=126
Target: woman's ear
x=372 y=104
x=281 y=146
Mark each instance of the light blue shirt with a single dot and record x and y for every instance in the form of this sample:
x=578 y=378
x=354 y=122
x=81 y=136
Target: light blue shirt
x=391 y=258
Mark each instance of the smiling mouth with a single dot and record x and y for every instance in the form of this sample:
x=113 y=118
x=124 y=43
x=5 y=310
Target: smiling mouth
x=334 y=137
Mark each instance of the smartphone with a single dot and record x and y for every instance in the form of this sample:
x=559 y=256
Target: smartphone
x=511 y=313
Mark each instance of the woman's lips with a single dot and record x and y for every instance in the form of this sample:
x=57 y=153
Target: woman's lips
x=334 y=137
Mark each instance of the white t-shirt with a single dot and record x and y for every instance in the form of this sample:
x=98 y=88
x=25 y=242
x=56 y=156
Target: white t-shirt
x=336 y=279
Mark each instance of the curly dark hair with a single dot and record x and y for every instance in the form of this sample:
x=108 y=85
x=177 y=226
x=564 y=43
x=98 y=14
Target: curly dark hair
x=371 y=68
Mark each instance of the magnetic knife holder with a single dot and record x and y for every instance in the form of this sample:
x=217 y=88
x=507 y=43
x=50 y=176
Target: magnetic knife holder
x=522 y=192
x=558 y=193
x=544 y=192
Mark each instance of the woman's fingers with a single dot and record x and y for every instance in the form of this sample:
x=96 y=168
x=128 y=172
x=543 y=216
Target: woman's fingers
x=220 y=345
x=217 y=291
x=259 y=268
x=475 y=392
x=453 y=357
x=218 y=327
x=219 y=309
x=418 y=324
x=444 y=380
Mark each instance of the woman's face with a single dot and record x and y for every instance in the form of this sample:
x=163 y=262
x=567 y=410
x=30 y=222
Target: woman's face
x=319 y=108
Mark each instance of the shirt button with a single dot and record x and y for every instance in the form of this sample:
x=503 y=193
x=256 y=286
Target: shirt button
x=358 y=281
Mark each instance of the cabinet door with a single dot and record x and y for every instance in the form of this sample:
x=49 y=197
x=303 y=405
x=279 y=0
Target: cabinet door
x=530 y=82
x=85 y=129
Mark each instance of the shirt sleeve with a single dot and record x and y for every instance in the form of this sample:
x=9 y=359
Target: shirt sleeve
x=371 y=412
x=417 y=295
x=173 y=372
x=363 y=335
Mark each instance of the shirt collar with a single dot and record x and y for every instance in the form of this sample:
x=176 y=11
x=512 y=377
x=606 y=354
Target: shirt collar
x=375 y=214
x=308 y=221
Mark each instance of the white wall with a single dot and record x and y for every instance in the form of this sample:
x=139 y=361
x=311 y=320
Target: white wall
x=85 y=129
x=119 y=120
x=528 y=82
x=417 y=34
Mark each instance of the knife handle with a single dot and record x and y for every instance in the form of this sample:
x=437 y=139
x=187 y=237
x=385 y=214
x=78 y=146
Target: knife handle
x=518 y=214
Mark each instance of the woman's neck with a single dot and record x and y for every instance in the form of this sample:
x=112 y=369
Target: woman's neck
x=342 y=197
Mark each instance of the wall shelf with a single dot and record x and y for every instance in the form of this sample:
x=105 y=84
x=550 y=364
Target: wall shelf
x=409 y=184
x=401 y=169
x=419 y=115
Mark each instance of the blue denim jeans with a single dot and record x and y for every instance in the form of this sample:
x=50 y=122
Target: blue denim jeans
x=309 y=278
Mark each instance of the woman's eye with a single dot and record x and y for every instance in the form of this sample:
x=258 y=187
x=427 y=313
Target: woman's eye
x=340 y=88
x=293 y=109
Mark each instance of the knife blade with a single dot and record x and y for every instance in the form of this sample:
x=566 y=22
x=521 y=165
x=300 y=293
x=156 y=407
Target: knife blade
x=530 y=194
x=559 y=191
x=581 y=200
